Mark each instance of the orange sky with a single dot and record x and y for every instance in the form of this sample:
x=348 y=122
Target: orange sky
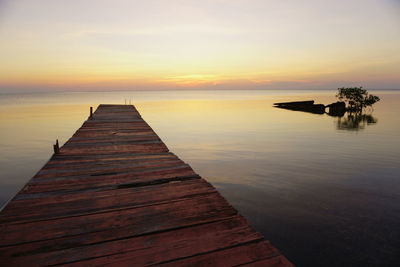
x=176 y=44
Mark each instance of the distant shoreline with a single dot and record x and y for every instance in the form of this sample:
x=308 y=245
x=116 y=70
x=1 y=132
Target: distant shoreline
x=183 y=90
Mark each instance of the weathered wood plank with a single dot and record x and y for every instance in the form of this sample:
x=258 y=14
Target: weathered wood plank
x=232 y=256
x=271 y=262
x=60 y=161
x=81 y=204
x=152 y=249
x=198 y=184
x=105 y=168
x=163 y=216
x=107 y=179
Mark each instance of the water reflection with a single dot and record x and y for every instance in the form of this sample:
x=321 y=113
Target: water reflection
x=346 y=120
x=355 y=121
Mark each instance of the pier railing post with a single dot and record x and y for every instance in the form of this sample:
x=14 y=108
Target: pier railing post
x=56 y=147
x=91 y=112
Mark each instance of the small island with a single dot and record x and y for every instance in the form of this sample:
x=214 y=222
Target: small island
x=352 y=99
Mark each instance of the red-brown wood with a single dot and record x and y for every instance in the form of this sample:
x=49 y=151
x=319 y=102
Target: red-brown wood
x=115 y=195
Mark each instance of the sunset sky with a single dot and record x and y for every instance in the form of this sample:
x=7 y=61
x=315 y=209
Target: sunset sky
x=49 y=45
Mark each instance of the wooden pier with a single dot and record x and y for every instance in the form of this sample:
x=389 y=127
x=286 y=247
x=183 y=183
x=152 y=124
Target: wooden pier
x=115 y=195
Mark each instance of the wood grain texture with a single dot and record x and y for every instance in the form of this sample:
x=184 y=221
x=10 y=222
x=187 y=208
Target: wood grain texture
x=115 y=195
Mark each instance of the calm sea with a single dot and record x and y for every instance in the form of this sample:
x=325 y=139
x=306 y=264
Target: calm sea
x=324 y=190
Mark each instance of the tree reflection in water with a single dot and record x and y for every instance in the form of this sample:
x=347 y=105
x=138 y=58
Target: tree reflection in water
x=354 y=121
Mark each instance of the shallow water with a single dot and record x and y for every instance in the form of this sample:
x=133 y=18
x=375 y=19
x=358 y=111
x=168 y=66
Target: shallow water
x=323 y=191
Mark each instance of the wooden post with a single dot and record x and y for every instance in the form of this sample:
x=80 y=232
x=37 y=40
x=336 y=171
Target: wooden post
x=91 y=112
x=56 y=147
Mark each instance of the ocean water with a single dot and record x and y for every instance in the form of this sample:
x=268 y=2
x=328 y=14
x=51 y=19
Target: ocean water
x=324 y=190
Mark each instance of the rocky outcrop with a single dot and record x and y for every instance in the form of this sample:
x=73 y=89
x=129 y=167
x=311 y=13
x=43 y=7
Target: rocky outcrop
x=307 y=106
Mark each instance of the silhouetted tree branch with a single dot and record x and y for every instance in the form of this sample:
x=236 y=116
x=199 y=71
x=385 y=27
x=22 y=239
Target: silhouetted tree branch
x=357 y=98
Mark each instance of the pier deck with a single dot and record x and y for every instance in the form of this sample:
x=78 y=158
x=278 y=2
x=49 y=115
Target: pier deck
x=115 y=195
